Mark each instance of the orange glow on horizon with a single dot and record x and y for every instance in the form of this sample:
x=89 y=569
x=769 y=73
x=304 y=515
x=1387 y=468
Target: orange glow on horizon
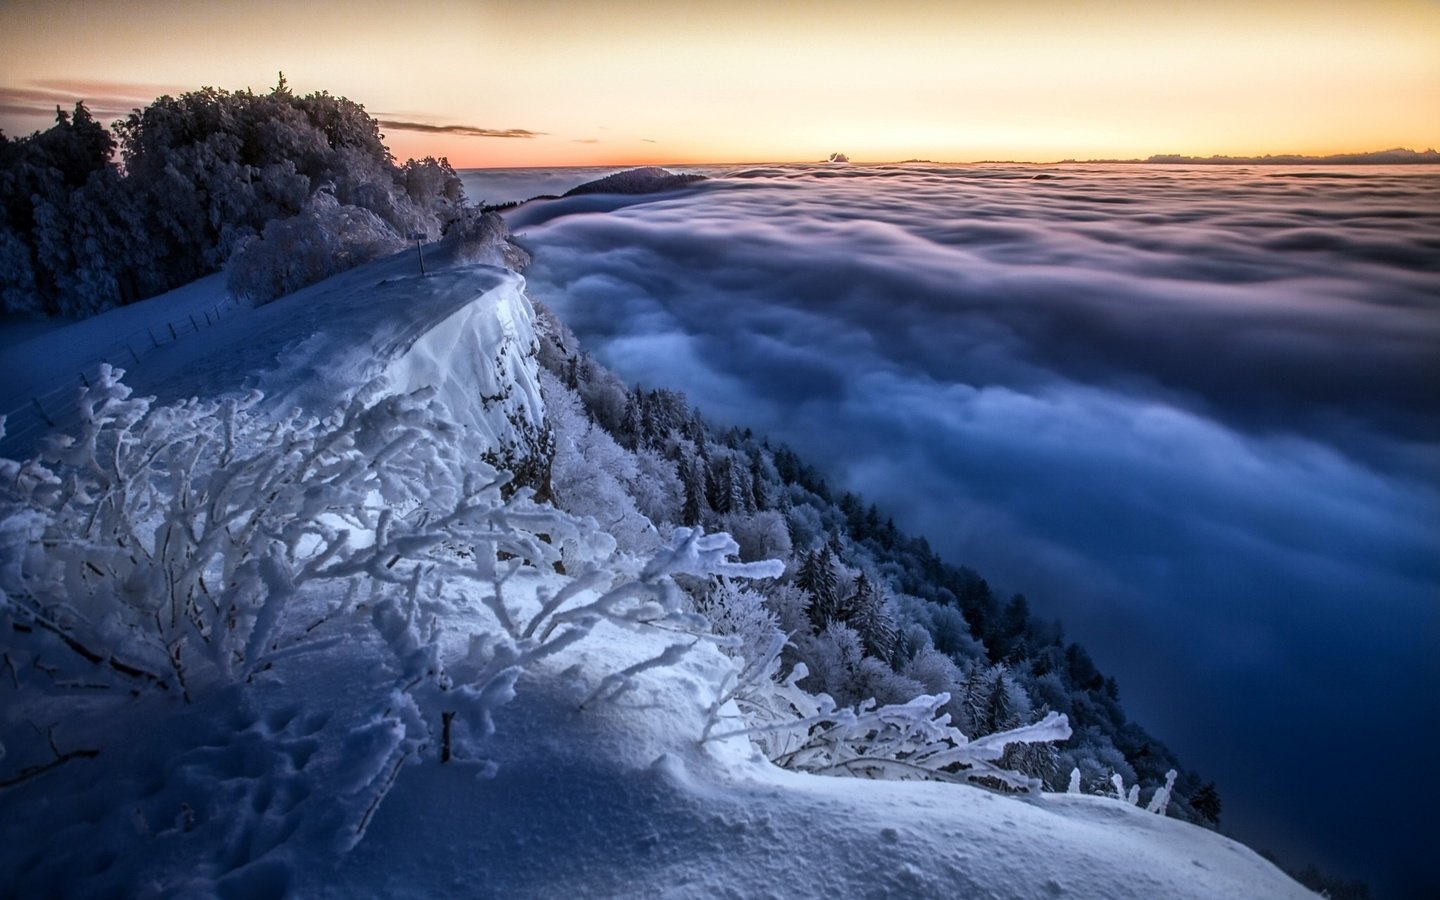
x=632 y=82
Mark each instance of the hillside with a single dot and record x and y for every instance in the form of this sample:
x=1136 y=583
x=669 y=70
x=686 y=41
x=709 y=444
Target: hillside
x=301 y=635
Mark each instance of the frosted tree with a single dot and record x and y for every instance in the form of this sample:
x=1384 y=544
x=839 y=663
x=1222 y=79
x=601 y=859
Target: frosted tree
x=325 y=238
x=18 y=292
x=591 y=474
x=992 y=700
x=868 y=613
x=204 y=175
x=659 y=493
x=817 y=575
x=692 y=510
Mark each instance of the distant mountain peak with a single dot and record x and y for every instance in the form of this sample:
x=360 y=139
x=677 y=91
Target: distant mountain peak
x=644 y=180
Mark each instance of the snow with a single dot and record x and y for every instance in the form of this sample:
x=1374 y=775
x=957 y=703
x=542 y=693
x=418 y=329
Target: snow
x=595 y=781
x=310 y=349
x=622 y=801
x=44 y=364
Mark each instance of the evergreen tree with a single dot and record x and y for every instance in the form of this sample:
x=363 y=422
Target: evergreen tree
x=742 y=497
x=692 y=512
x=715 y=495
x=866 y=612
x=1008 y=642
x=759 y=498
x=631 y=422
x=1206 y=802
x=872 y=522
x=817 y=576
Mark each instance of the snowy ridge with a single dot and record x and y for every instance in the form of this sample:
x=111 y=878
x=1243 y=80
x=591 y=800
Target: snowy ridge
x=481 y=361
x=465 y=330
x=353 y=634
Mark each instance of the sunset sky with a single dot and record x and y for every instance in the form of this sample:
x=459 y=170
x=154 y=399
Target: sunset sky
x=572 y=83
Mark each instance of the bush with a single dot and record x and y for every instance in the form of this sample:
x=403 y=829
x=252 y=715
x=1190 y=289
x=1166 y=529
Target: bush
x=325 y=238
x=195 y=550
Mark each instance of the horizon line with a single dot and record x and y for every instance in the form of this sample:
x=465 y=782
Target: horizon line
x=1395 y=156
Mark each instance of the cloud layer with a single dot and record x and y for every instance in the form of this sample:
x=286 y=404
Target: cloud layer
x=1195 y=414
x=105 y=99
x=458 y=130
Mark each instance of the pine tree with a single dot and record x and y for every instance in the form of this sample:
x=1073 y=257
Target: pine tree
x=631 y=422
x=865 y=611
x=993 y=701
x=1008 y=642
x=717 y=498
x=1206 y=802
x=758 y=496
x=695 y=428
x=817 y=576
x=692 y=512
x=742 y=498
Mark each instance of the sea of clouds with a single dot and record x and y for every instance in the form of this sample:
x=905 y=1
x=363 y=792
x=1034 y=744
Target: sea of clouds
x=1194 y=413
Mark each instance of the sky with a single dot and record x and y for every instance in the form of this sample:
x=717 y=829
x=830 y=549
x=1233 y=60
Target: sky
x=536 y=83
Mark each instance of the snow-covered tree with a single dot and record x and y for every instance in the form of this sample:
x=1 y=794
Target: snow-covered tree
x=325 y=238
x=817 y=575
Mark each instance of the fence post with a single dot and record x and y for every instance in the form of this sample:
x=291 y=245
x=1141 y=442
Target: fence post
x=173 y=335
x=152 y=337
x=133 y=355
x=83 y=380
x=193 y=325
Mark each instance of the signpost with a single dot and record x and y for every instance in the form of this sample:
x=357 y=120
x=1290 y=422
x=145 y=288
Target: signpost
x=418 y=237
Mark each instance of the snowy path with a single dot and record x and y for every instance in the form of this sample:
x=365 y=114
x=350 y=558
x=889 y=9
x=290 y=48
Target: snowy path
x=41 y=368
x=316 y=346
x=306 y=350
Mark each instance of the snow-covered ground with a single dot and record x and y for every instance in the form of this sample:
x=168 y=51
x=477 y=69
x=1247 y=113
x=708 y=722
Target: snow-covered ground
x=45 y=361
x=251 y=789
x=623 y=801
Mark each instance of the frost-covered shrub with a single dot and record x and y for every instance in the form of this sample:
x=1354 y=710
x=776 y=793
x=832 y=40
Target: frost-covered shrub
x=198 y=549
x=481 y=237
x=913 y=739
x=741 y=613
x=325 y=238
x=905 y=734
x=1160 y=802
x=169 y=545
